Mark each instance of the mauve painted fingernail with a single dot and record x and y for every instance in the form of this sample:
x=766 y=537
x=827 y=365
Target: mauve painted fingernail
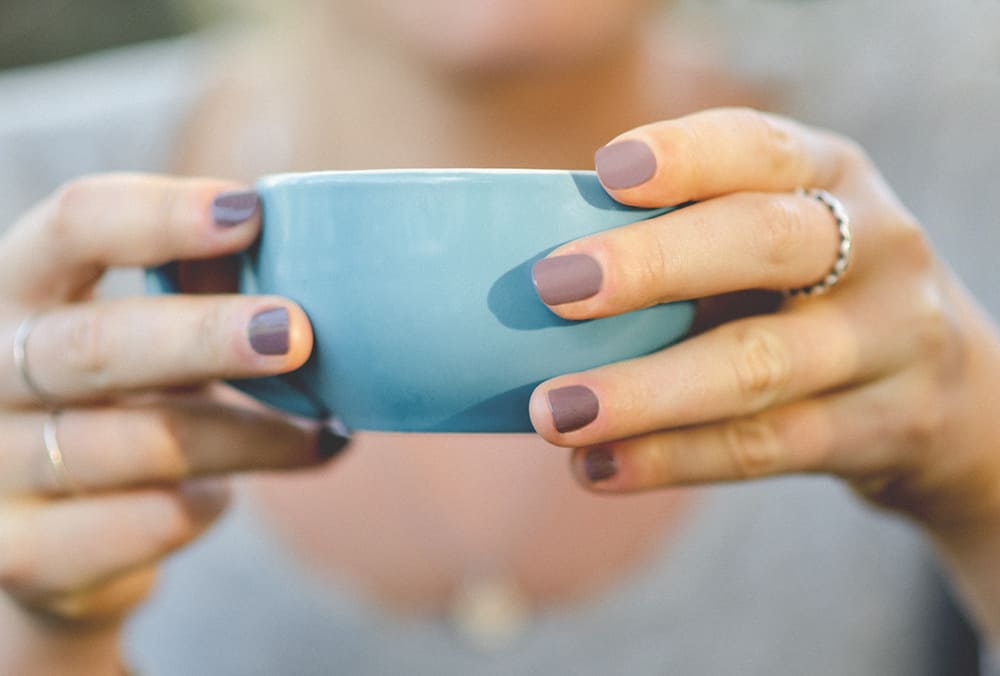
x=625 y=164
x=573 y=407
x=599 y=464
x=564 y=279
x=332 y=438
x=233 y=208
x=268 y=331
x=205 y=497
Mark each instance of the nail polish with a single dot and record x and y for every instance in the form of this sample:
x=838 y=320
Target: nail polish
x=565 y=279
x=206 y=496
x=233 y=208
x=573 y=407
x=332 y=438
x=625 y=164
x=599 y=464
x=268 y=331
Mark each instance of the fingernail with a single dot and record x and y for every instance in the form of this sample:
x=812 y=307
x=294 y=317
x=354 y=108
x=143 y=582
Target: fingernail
x=268 y=331
x=332 y=438
x=573 y=407
x=564 y=279
x=599 y=464
x=235 y=207
x=625 y=164
x=205 y=497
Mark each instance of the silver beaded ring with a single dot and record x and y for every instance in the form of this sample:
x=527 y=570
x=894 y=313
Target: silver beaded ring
x=840 y=214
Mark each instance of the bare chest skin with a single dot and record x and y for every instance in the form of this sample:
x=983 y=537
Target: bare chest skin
x=407 y=517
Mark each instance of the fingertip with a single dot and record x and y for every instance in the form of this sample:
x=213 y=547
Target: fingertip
x=586 y=279
x=235 y=207
x=541 y=416
x=332 y=439
x=205 y=498
x=563 y=414
x=231 y=214
x=300 y=336
x=595 y=468
x=567 y=278
x=270 y=331
x=649 y=167
x=623 y=164
x=279 y=331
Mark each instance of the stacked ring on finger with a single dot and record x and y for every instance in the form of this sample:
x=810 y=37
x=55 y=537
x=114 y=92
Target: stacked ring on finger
x=53 y=451
x=21 y=362
x=843 y=220
x=50 y=434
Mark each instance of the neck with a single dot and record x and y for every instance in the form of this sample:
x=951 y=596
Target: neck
x=376 y=106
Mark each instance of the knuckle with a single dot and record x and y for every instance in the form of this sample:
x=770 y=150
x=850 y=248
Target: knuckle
x=212 y=341
x=780 y=145
x=681 y=140
x=69 y=607
x=67 y=204
x=910 y=243
x=761 y=366
x=649 y=263
x=657 y=463
x=935 y=330
x=925 y=424
x=17 y=555
x=162 y=524
x=179 y=212
x=175 y=535
x=176 y=528
x=166 y=431
x=781 y=230
x=853 y=155
x=753 y=446
x=164 y=209
x=86 y=345
x=940 y=344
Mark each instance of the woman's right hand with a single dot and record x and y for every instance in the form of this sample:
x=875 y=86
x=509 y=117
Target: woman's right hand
x=138 y=431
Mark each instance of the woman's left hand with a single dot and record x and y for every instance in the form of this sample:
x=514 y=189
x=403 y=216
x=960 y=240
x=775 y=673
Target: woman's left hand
x=891 y=380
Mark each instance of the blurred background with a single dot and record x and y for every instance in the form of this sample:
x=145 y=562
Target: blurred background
x=911 y=80
x=38 y=31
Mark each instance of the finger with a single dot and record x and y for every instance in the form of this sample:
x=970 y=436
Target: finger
x=89 y=351
x=112 y=448
x=62 y=546
x=99 y=603
x=121 y=220
x=833 y=434
x=732 y=371
x=718 y=152
x=740 y=241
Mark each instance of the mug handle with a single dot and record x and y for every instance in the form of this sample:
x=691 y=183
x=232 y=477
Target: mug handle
x=288 y=391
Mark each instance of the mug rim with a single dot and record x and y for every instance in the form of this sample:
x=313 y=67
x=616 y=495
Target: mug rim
x=283 y=177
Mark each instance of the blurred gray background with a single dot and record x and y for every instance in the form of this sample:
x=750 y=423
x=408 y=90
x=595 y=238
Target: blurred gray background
x=34 y=31
x=916 y=81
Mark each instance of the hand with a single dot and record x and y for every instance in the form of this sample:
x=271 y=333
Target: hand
x=137 y=428
x=890 y=380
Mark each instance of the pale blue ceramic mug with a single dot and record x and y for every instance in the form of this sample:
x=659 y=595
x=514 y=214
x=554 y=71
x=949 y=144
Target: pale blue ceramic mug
x=418 y=286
